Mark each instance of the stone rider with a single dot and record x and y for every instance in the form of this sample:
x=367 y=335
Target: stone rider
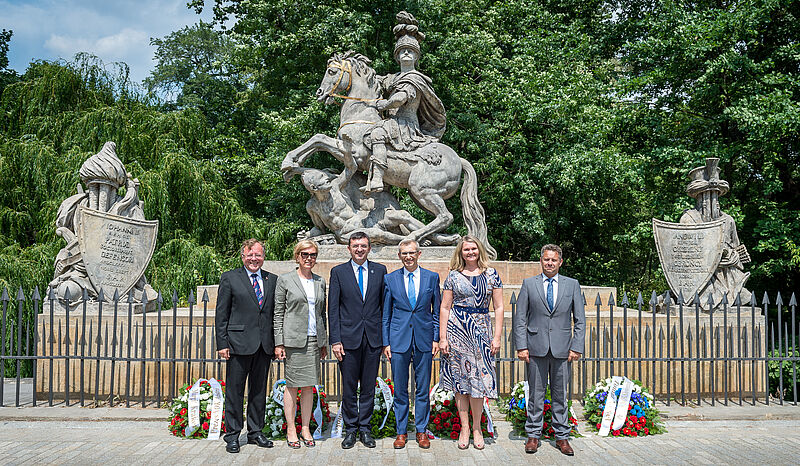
x=416 y=116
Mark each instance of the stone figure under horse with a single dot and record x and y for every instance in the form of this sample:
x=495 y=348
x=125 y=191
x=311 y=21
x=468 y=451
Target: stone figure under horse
x=431 y=173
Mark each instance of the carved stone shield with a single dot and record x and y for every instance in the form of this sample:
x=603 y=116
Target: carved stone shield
x=116 y=250
x=689 y=254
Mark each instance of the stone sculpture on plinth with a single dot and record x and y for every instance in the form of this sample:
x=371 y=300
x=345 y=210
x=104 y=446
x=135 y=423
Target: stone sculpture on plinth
x=702 y=254
x=390 y=128
x=109 y=242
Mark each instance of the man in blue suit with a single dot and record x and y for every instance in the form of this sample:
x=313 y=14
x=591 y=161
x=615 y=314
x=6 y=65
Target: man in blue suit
x=354 y=317
x=411 y=301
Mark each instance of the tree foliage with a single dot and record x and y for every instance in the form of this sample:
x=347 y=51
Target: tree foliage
x=581 y=118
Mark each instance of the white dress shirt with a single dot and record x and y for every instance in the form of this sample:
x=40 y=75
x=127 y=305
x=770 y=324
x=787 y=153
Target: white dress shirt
x=417 y=274
x=365 y=274
x=308 y=287
x=555 y=288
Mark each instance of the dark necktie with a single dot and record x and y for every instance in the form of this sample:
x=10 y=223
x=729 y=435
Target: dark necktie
x=550 y=293
x=257 y=289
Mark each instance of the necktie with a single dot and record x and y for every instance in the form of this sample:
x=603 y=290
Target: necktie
x=361 y=280
x=550 y=293
x=257 y=289
x=412 y=291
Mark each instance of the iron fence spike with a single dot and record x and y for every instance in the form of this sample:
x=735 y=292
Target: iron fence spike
x=724 y=299
x=738 y=300
x=611 y=301
x=174 y=296
x=159 y=298
x=753 y=300
x=51 y=295
x=710 y=300
x=20 y=295
x=598 y=301
x=130 y=297
x=793 y=300
x=639 y=299
x=144 y=299
x=191 y=299
x=67 y=295
x=765 y=299
x=680 y=297
x=36 y=295
x=512 y=302
x=84 y=294
x=5 y=295
x=653 y=299
x=101 y=297
x=116 y=295
x=779 y=299
x=583 y=295
x=205 y=297
x=625 y=301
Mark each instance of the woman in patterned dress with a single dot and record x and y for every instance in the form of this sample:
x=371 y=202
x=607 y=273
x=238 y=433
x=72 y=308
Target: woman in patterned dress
x=469 y=342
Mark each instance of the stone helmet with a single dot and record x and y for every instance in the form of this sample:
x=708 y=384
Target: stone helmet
x=407 y=33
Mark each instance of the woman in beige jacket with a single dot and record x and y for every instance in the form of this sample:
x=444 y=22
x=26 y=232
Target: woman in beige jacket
x=300 y=337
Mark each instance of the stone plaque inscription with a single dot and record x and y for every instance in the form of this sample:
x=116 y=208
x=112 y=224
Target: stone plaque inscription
x=116 y=250
x=689 y=254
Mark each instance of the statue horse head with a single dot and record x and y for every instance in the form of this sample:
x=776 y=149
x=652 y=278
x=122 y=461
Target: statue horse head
x=349 y=76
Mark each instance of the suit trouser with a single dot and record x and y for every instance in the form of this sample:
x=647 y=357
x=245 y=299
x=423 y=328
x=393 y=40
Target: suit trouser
x=539 y=370
x=359 y=364
x=422 y=376
x=239 y=368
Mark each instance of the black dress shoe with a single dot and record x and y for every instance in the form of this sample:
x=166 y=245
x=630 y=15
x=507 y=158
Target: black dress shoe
x=261 y=440
x=349 y=440
x=232 y=446
x=366 y=439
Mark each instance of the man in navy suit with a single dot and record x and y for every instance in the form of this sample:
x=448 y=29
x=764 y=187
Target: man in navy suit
x=354 y=317
x=243 y=325
x=411 y=301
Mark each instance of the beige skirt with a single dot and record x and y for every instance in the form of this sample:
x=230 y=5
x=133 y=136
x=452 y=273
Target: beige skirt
x=302 y=364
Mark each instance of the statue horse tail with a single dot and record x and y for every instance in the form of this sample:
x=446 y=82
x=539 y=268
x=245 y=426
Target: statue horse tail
x=474 y=216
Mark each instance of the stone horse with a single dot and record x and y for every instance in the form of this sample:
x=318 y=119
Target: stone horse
x=431 y=174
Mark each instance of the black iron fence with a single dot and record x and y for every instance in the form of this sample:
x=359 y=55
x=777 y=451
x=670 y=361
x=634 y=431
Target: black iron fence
x=102 y=352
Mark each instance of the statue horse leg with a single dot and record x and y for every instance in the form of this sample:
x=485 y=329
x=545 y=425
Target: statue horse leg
x=319 y=142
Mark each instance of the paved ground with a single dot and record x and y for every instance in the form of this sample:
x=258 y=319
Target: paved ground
x=118 y=435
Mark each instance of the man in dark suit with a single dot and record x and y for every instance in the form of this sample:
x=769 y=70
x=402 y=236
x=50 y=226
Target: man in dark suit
x=244 y=337
x=354 y=314
x=411 y=300
x=549 y=329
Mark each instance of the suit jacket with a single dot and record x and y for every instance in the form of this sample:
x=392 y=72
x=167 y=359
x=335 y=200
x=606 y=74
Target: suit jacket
x=403 y=324
x=350 y=316
x=239 y=323
x=291 y=311
x=539 y=330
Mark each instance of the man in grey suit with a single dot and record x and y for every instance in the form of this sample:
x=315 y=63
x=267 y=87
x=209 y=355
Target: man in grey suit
x=549 y=329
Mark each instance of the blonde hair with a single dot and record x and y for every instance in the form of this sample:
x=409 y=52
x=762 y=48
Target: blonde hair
x=304 y=244
x=457 y=261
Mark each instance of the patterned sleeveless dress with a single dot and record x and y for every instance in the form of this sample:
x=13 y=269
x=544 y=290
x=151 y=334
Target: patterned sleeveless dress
x=469 y=369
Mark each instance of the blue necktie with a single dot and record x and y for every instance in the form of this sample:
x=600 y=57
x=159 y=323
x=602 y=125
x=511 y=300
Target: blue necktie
x=412 y=291
x=257 y=289
x=550 y=293
x=361 y=280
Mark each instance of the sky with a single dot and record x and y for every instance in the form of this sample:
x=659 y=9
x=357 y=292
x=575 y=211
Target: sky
x=114 y=30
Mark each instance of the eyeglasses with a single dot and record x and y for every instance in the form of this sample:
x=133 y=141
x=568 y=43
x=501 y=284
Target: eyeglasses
x=308 y=255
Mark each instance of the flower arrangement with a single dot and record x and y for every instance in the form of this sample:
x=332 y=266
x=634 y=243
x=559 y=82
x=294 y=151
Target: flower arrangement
x=515 y=409
x=444 y=421
x=179 y=410
x=275 y=420
x=642 y=418
x=380 y=411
